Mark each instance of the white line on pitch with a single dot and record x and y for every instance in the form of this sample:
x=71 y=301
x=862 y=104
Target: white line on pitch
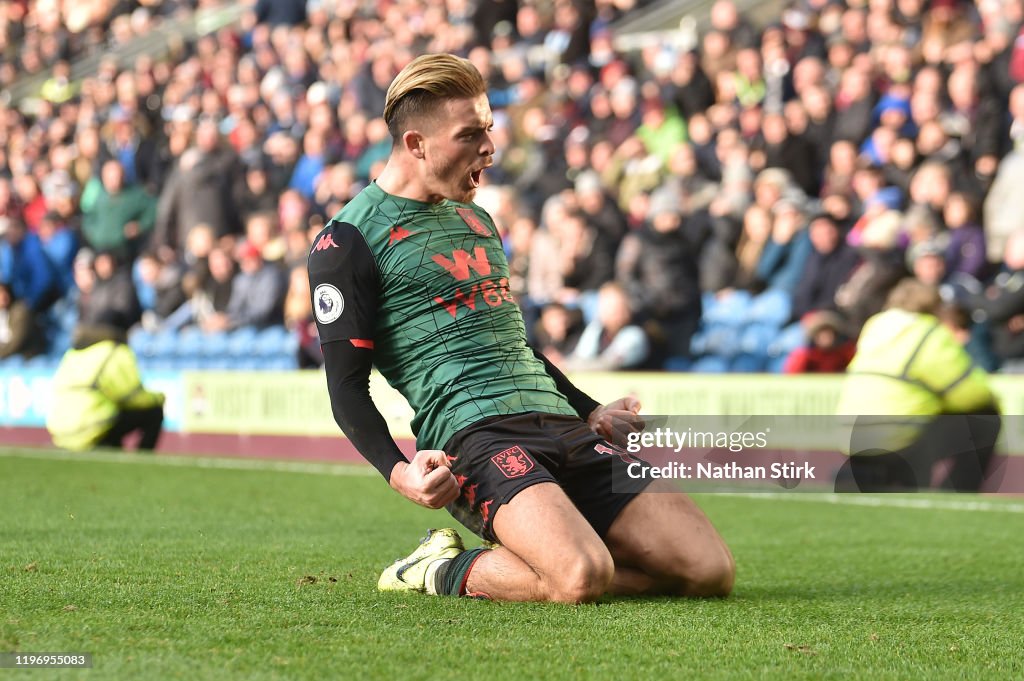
x=196 y=462
x=886 y=501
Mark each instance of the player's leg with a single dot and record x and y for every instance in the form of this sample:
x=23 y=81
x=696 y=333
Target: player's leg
x=663 y=543
x=659 y=538
x=548 y=552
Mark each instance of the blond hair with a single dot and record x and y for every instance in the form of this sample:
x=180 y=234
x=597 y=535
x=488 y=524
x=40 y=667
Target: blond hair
x=914 y=296
x=425 y=83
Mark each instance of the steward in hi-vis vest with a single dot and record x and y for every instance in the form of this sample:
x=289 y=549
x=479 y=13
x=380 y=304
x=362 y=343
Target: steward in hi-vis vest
x=98 y=396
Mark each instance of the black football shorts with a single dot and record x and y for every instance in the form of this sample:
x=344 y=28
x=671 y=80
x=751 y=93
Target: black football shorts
x=498 y=457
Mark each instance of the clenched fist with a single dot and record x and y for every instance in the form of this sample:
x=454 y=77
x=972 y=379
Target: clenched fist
x=427 y=480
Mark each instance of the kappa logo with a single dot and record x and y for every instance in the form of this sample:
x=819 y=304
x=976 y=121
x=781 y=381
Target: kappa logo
x=328 y=303
x=513 y=462
x=474 y=222
x=325 y=242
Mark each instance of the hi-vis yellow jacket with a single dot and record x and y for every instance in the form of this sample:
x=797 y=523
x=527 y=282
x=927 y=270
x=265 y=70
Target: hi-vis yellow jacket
x=91 y=387
x=910 y=365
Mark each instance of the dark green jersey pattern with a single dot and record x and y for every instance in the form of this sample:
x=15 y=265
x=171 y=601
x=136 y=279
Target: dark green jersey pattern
x=427 y=285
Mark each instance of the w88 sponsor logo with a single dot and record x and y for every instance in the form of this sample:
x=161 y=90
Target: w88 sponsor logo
x=492 y=294
x=460 y=265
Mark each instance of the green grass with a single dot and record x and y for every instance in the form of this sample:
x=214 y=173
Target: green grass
x=167 y=572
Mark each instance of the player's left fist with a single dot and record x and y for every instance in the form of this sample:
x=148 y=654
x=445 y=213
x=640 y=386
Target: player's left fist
x=616 y=420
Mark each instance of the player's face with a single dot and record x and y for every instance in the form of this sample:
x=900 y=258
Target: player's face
x=460 y=148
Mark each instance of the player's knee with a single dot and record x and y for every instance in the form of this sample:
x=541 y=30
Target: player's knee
x=712 y=576
x=584 y=579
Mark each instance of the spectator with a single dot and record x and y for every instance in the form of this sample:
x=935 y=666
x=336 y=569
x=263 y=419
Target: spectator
x=261 y=231
x=292 y=213
x=60 y=245
x=126 y=141
x=20 y=333
x=310 y=166
x=518 y=241
x=853 y=105
x=298 y=318
x=792 y=152
x=24 y=266
x=598 y=209
x=1004 y=205
x=253 y=193
x=633 y=171
x=839 y=173
x=657 y=269
x=159 y=289
x=943 y=27
x=686 y=178
x=928 y=263
x=116 y=216
x=111 y=295
x=757 y=229
x=974 y=118
x=257 y=294
x=278 y=13
x=336 y=187
x=558 y=332
x=207 y=285
x=748 y=79
x=611 y=341
x=787 y=249
x=828 y=266
x=586 y=257
x=881 y=268
x=661 y=129
x=1003 y=307
x=828 y=349
x=820 y=121
x=974 y=337
x=692 y=91
x=568 y=42
x=31 y=201
x=199 y=190
x=930 y=188
x=725 y=17
x=296 y=242
x=966 y=250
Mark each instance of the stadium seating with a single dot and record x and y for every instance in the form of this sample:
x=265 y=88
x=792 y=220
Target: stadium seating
x=273 y=348
x=12 y=362
x=742 y=333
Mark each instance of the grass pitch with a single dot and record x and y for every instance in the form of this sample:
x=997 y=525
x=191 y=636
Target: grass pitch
x=166 y=571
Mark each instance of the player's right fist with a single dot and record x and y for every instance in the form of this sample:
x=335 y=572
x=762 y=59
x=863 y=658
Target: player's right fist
x=427 y=479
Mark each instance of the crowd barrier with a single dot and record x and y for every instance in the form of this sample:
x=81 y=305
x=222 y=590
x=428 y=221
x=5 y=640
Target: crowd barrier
x=296 y=404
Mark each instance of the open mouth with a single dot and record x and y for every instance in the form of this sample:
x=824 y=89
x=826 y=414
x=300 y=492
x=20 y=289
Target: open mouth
x=474 y=177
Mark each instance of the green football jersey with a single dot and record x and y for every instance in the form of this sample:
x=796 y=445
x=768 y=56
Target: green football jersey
x=426 y=287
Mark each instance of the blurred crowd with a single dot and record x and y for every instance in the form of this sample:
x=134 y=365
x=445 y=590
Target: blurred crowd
x=45 y=36
x=818 y=160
